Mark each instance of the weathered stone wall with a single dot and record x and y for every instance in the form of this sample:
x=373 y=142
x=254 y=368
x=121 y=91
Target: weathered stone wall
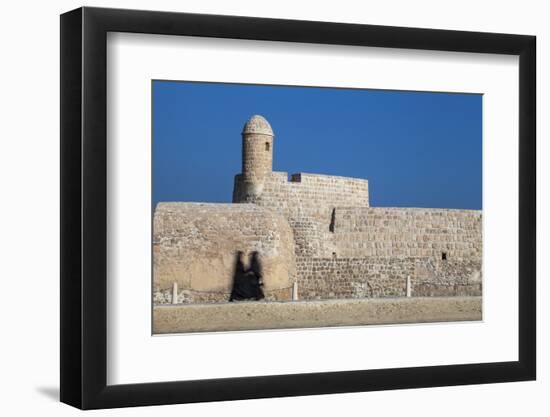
x=397 y=232
x=313 y=193
x=257 y=155
x=194 y=245
x=257 y=162
x=342 y=252
x=375 y=277
x=376 y=249
x=330 y=215
x=308 y=202
x=317 y=230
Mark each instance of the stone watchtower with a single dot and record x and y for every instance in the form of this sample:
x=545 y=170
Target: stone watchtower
x=257 y=154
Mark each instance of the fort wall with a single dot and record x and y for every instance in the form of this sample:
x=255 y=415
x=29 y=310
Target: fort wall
x=317 y=231
x=308 y=202
x=305 y=193
x=195 y=244
x=378 y=277
x=407 y=232
x=375 y=250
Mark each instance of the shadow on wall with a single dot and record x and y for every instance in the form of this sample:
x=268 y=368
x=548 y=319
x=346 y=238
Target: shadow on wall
x=247 y=283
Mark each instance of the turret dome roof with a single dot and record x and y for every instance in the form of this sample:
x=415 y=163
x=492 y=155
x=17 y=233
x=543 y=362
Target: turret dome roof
x=257 y=124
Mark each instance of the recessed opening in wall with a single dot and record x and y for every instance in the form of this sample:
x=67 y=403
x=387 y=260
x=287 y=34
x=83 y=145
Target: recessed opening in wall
x=267 y=146
x=332 y=220
x=443 y=256
x=296 y=177
x=333 y=255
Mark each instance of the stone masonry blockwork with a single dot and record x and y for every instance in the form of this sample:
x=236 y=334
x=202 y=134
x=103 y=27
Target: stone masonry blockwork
x=317 y=234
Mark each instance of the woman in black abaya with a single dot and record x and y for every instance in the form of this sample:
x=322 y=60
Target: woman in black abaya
x=240 y=290
x=247 y=284
x=257 y=276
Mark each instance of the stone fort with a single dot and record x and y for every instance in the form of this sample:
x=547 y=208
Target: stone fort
x=318 y=237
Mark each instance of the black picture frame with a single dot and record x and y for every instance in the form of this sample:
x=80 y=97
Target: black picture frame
x=84 y=207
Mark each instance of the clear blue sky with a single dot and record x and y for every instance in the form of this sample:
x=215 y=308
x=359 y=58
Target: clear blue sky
x=417 y=149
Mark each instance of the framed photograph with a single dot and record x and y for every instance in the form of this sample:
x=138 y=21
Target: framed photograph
x=257 y=208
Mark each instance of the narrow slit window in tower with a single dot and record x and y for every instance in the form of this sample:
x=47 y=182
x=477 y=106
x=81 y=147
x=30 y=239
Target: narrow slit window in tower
x=332 y=220
x=444 y=256
x=267 y=146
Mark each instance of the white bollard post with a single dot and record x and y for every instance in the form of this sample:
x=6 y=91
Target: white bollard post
x=175 y=293
x=295 y=291
x=409 y=286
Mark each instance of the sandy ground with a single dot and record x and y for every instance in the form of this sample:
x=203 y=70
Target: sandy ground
x=303 y=314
